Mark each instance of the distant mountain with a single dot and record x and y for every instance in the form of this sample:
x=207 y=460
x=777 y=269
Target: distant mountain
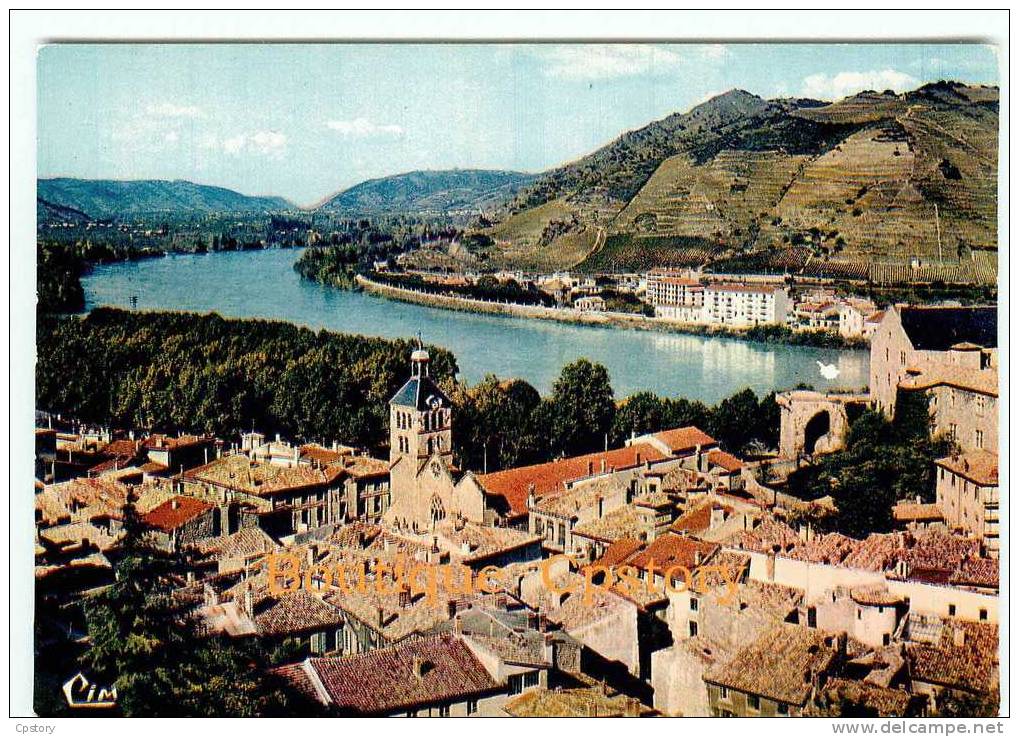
x=51 y=212
x=440 y=192
x=744 y=183
x=105 y=198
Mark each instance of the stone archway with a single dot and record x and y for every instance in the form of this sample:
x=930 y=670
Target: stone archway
x=816 y=432
x=813 y=422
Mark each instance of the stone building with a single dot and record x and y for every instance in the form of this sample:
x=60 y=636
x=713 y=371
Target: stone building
x=967 y=495
x=181 y=521
x=941 y=343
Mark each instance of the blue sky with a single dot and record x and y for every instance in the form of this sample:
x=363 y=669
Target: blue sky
x=304 y=121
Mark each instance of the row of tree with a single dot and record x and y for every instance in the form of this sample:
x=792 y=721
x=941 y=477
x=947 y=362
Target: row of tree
x=179 y=372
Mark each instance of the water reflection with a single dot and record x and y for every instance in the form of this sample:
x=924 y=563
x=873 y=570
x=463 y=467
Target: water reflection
x=263 y=284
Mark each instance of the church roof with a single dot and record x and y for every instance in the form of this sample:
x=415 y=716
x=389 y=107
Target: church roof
x=940 y=328
x=418 y=393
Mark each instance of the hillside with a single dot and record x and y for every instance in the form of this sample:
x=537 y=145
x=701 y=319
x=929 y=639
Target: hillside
x=438 y=192
x=855 y=188
x=105 y=198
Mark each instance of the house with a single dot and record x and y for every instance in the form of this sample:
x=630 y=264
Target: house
x=745 y=305
x=179 y=453
x=428 y=676
x=181 y=521
x=775 y=675
x=968 y=497
x=675 y=296
x=936 y=346
x=592 y=303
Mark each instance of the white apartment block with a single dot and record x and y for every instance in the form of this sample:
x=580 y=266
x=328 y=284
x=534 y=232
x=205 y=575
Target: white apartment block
x=745 y=305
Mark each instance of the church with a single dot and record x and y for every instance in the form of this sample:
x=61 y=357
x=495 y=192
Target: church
x=423 y=476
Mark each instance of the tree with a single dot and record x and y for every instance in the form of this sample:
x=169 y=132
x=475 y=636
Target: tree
x=498 y=421
x=145 y=642
x=581 y=409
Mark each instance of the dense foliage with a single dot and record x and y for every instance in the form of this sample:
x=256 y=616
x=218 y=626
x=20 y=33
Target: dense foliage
x=58 y=281
x=883 y=462
x=203 y=373
x=145 y=641
x=486 y=288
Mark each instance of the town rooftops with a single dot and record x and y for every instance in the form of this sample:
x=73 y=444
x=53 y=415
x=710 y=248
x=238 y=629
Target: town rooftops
x=940 y=328
x=624 y=522
x=175 y=513
x=954 y=653
x=514 y=484
x=726 y=461
x=429 y=670
x=886 y=702
x=86 y=497
x=673 y=550
x=983 y=381
x=978 y=466
x=166 y=442
x=779 y=665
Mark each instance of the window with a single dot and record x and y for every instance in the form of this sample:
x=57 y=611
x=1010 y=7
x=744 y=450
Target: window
x=979 y=439
x=472 y=706
x=859 y=613
x=783 y=709
x=444 y=710
x=754 y=702
x=531 y=679
x=693 y=603
x=723 y=693
x=516 y=685
x=693 y=630
x=886 y=639
x=951 y=610
x=983 y=615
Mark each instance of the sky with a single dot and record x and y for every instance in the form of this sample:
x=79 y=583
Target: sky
x=304 y=121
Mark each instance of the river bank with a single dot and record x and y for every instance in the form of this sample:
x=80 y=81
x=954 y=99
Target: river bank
x=772 y=334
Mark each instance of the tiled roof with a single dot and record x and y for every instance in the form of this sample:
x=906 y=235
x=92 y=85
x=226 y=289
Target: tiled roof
x=245 y=543
x=618 y=552
x=548 y=478
x=978 y=466
x=983 y=381
x=575 y=702
x=681 y=439
x=727 y=461
x=673 y=550
x=698 y=518
x=295 y=612
x=167 y=442
x=916 y=512
x=625 y=522
x=779 y=665
x=887 y=702
x=261 y=479
x=981 y=572
x=88 y=497
x=963 y=655
x=175 y=513
x=874 y=595
x=429 y=670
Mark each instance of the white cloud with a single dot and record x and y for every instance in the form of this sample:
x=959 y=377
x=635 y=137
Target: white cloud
x=843 y=84
x=170 y=110
x=266 y=143
x=363 y=128
x=588 y=62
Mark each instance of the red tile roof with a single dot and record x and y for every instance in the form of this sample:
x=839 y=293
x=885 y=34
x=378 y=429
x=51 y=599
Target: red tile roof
x=428 y=670
x=176 y=512
x=549 y=478
x=618 y=552
x=978 y=466
x=727 y=461
x=673 y=550
x=685 y=438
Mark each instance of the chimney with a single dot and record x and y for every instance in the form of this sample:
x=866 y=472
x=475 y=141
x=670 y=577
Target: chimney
x=404 y=597
x=638 y=458
x=769 y=567
x=590 y=468
x=717 y=517
x=959 y=637
x=604 y=465
x=531 y=497
x=458 y=626
x=381 y=616
x=175 y=503
x=697 y=557
x=312 y=554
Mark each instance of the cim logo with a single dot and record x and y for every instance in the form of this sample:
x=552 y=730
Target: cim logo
x=81 y=694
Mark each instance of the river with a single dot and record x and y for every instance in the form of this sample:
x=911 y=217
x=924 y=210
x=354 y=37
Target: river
x=264 y=284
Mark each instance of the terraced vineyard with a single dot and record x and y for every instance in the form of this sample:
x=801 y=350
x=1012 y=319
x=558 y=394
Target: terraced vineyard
x=864 y=188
